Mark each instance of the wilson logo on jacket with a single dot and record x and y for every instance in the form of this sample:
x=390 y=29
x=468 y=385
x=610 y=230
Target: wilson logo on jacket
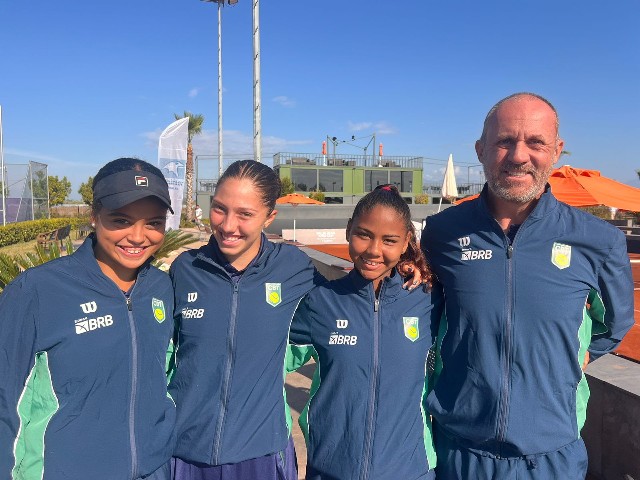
x=89 y=307
x=469 y=254
x=273 y=293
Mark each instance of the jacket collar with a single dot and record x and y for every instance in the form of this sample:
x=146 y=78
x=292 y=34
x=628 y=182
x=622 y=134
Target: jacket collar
x=546 y=203
x=391 y=286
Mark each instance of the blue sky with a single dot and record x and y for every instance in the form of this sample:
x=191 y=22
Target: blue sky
x=82 y=83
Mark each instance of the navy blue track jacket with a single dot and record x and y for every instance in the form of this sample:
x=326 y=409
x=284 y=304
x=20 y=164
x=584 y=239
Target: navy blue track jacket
x=365 y=418
x=232 y=338
x=83 y=393
x=519 y=320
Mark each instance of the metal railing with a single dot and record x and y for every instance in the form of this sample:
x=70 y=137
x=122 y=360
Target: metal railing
x=346 y=160
x=464 y=189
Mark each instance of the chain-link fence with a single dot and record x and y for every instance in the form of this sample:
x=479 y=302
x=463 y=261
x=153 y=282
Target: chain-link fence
x=26 y=192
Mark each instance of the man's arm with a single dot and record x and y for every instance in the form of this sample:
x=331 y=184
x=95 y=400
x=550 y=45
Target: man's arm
x=616 y=292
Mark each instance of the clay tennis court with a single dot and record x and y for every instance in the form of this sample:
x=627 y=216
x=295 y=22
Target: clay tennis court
x=630 y=346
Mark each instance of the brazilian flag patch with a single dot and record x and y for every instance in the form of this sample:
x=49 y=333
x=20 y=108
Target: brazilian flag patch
x=158 y=310
x=411 y=329
x=273 y=292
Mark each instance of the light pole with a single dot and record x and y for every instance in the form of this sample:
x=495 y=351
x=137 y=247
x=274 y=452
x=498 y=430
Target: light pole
x=3 y=179
x=372 y=139
x=220 y=5
x=257 y=106
x=470 y=167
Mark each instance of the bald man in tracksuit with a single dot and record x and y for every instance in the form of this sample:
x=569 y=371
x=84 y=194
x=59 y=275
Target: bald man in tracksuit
x=533 y=287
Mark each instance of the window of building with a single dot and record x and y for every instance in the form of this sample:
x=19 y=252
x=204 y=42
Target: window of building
x=304 y=179
x=402 y=180
x=373 y=178
x=331 y=180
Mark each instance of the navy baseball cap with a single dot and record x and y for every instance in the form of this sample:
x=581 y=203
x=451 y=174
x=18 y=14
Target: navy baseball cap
x=119 y=189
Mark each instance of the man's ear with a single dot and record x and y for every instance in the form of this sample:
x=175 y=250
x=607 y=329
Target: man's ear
x=558 y=151
x=479 y=150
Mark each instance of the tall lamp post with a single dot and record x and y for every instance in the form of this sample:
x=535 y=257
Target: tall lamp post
x=372 y=139
x=257 y=106
x=220 y=5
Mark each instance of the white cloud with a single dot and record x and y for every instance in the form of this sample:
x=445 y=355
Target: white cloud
x=358 y=127
x=240 y=144
x=380 y=128
x=284 y=101
x=28 y=155
x=194 y=92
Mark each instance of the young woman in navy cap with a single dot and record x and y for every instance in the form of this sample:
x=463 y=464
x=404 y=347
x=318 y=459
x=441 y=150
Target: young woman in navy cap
x=83 y=342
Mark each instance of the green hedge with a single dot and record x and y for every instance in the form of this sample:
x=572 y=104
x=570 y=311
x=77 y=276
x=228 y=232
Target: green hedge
x=25 y=231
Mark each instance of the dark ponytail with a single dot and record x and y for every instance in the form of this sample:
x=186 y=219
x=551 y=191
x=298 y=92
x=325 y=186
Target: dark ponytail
x=388 y=196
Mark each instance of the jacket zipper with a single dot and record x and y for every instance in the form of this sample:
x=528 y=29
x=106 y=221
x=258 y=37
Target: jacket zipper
x=134 y=387
x=374 y=384
x=505 y=395
x=224 y=394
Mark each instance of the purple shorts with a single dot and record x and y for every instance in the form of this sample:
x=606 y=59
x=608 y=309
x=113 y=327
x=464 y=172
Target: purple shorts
x=277 y=466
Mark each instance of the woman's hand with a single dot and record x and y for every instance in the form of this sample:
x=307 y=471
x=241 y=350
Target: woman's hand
x=411 y=274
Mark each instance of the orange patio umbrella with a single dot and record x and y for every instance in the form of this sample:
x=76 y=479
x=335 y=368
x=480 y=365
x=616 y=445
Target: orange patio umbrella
x=296 y=199
x=584 y=188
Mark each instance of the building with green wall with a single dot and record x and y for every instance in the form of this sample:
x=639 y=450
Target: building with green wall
x=347 y=178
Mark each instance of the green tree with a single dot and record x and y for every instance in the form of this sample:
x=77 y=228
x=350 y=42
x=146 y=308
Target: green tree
x=287 y=186
x=39 y=184
x=86 y=191
x=317 y=195
x=194 y=128
x=422 y=199
x=59 y=190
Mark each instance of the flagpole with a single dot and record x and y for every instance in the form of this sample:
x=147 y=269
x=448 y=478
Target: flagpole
x=2 y=179
x=257 y=106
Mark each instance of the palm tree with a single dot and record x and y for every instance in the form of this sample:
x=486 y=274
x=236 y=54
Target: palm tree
x=194 y=128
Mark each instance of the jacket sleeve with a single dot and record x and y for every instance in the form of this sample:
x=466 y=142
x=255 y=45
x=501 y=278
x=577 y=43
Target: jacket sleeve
x=17 y=350
x=616 y=290
x=300 y=330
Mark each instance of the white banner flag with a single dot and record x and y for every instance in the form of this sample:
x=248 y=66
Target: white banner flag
x=172 y=161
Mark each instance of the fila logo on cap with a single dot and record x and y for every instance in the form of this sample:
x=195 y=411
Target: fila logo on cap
x=142 y=181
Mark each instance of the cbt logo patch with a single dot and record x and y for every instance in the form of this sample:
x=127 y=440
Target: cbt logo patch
x=273 y=292
x=561 y=255
x=411 y=328
x=158 y=310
